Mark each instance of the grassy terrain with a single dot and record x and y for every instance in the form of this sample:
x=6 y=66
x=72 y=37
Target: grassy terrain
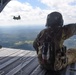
x=22 y=37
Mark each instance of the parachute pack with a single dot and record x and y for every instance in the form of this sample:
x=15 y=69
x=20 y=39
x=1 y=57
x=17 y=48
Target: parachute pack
x=49 y=56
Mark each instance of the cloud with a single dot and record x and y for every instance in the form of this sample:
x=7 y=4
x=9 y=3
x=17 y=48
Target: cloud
x=66 y=7
x=29 y=15
x=35 y=15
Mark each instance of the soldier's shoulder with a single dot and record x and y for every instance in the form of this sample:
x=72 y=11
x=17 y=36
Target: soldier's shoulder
x=44 y=30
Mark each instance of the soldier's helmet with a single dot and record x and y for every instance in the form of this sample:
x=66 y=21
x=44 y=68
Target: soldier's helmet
x=54 y=19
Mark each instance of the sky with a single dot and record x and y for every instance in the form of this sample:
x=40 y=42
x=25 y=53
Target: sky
x=34 y=12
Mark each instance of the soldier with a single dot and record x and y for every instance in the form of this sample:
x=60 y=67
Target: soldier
x=52 y=54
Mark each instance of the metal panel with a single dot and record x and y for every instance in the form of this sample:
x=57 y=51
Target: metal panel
x=25 y=62
x=3 y=3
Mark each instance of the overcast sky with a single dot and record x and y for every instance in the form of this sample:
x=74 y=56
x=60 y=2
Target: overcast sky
x=34 y=12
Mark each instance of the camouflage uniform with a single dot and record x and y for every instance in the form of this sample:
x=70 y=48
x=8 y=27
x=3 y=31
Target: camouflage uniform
x=59 y=36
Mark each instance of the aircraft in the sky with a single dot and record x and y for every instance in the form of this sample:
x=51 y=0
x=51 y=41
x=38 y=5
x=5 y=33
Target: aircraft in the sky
x=16 y=17
x=3 y=3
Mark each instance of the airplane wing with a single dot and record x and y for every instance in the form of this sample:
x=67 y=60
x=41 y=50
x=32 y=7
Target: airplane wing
x=3 y=3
